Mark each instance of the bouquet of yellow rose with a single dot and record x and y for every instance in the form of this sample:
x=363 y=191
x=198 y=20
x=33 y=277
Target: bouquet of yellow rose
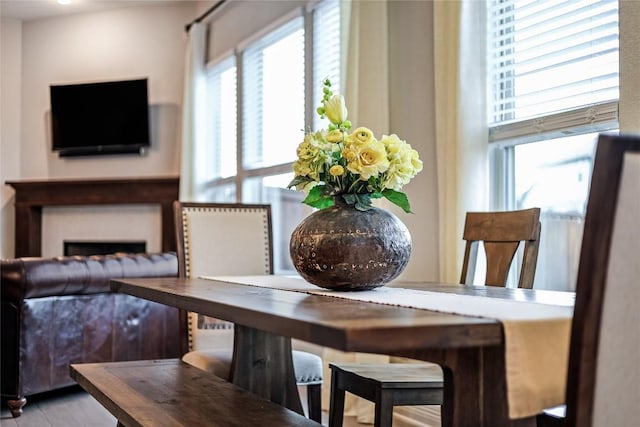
x=354 y=165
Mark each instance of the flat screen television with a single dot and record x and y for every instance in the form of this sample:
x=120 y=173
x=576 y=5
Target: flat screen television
x=100 y=118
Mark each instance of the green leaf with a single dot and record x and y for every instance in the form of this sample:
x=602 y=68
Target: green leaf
x=363 y=202
x=349 y=198
x=314 y=194
x=398 y=198
x=362 y=208
x=323 y=203
x=318 y=197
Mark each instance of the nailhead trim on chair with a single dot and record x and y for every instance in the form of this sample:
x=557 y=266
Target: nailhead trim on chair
x=192 y=317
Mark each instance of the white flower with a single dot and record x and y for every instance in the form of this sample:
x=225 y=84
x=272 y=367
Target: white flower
x=335 y=109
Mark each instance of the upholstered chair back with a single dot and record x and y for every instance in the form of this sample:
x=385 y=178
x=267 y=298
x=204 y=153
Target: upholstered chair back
x=218 y=239
x=604 y=374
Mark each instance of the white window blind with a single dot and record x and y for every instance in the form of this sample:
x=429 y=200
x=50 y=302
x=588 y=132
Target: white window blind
x=549 y=57
x=221 y=83
x=273 y=96
x=326 y=52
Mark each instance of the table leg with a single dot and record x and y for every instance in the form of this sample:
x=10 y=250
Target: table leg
x=474 y=387
x=462 y=397
x=262 y=363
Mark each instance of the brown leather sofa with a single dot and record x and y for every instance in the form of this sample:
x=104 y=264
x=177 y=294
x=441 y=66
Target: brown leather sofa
x=57 y=311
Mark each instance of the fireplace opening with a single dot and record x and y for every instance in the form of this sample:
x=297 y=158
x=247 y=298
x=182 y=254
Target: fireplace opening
x=102 y=248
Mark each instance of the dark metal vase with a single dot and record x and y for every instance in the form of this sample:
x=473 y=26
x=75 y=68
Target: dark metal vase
x=343 y=249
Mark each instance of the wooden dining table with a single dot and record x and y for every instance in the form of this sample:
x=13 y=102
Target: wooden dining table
x=470 y=349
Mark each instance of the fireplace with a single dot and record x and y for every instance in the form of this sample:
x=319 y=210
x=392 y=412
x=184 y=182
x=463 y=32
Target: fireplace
x=56 y=195
x=73 y=247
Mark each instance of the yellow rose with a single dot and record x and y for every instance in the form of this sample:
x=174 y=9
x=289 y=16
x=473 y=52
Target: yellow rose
x=367 y=159
x=335 y=109
x=336 y=170
x=335 y=136
x=361 y=135
x=350 y=153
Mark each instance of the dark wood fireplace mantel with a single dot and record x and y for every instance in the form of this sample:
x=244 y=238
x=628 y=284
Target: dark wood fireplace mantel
x=32 y=196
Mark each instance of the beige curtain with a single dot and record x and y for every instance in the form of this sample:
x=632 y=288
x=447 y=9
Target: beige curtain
x=365 y=64
x=192 y=170
x=461 y=123
x=365 y=77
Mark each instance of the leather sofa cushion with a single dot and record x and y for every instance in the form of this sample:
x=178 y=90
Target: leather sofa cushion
x=32 y=277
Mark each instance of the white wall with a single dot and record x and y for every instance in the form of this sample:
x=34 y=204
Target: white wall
x=119 y=44
x=131 y=42
x=10 y=83
x=412 y=115
x=225 y=33
x=629 y=66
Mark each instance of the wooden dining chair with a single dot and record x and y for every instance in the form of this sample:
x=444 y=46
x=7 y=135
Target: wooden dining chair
x=401 y=384
x=231 y=239
x=603 y=374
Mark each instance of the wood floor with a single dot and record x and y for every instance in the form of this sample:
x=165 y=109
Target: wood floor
x=72 y=407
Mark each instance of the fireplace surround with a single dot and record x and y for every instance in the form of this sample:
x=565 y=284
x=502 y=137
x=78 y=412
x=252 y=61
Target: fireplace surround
x=32 y=196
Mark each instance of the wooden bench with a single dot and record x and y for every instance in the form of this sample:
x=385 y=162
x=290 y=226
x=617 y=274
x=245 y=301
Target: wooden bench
x=173 y=393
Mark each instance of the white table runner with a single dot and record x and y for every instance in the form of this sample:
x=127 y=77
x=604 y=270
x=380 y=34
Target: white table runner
x=536 y=335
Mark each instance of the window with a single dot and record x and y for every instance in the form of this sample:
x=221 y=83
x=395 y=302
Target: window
x=222 y=85
x=273 y=96
x=269 y=80
x=553 y=70
x=221 y=132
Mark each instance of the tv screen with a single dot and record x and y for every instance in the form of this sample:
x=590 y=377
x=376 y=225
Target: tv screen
x=100 y=118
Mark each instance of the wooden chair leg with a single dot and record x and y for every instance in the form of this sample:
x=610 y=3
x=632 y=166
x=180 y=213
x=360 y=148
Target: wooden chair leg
x=336 y=403
x=384 y=409
x=314 y=403
x=548 y=420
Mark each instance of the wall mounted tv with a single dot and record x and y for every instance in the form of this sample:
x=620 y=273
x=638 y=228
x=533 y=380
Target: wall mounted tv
x=100 y=118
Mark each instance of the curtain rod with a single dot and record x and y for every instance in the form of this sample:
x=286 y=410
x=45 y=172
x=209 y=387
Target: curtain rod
x=204 y=15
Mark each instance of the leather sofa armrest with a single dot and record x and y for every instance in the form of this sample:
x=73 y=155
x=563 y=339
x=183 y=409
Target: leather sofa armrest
x=32 y=277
